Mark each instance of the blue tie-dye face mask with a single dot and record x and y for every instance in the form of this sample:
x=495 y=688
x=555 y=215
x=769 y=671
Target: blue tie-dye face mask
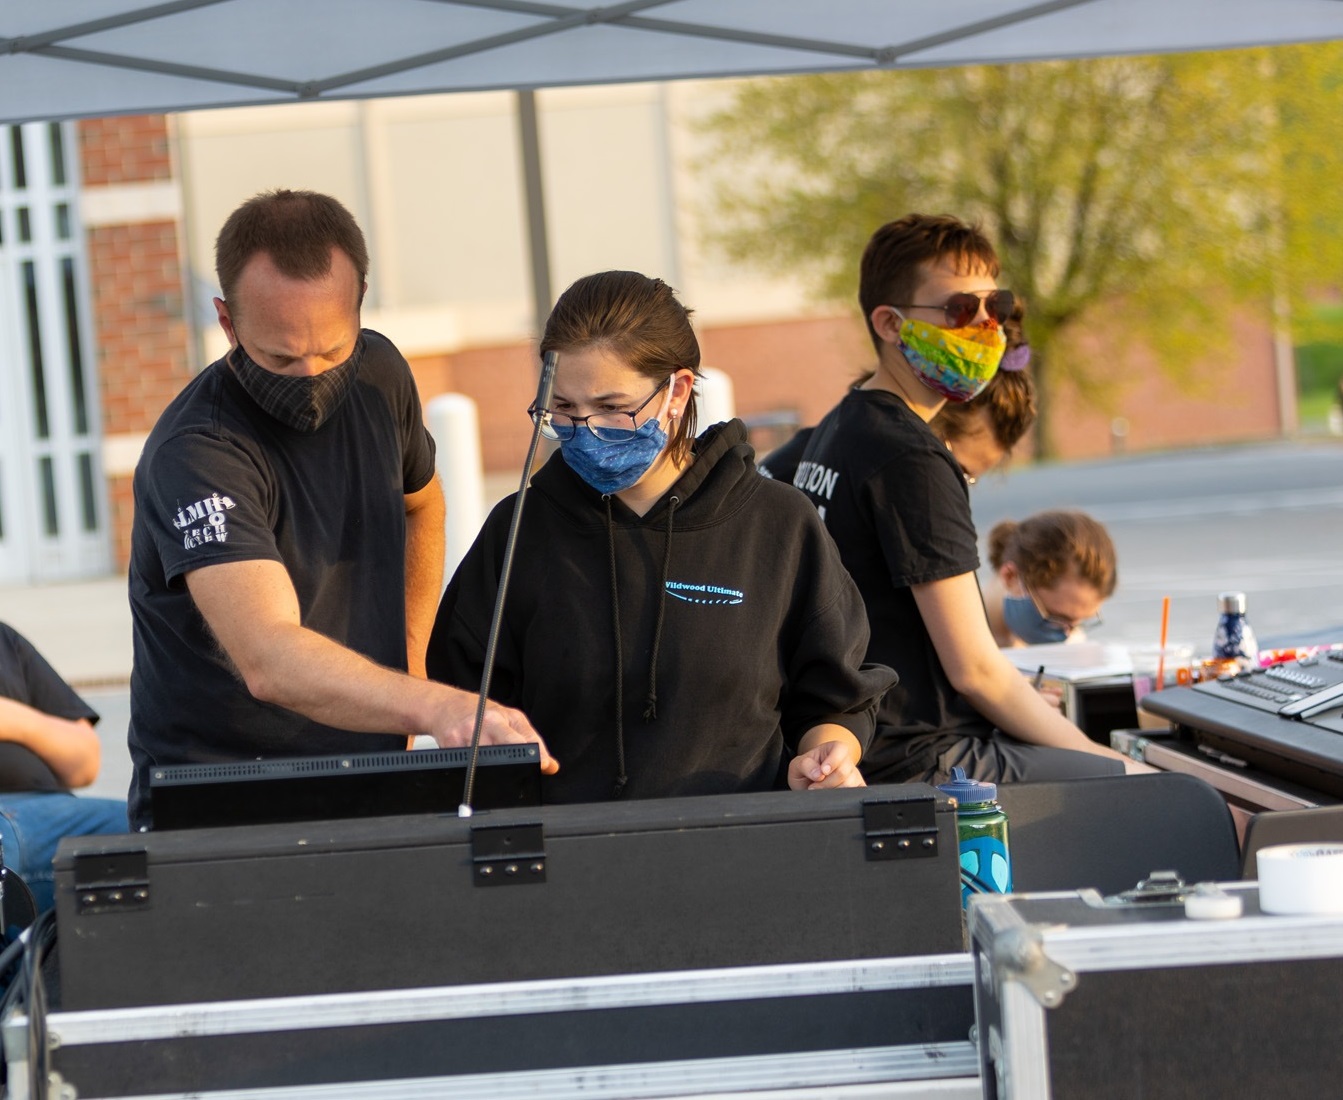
x=614 y=465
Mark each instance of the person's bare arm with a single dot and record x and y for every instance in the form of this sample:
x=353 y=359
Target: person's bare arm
x=954 y=616
x=827 y=756
x=69 y=747
x=253 y=611
x=424 y=569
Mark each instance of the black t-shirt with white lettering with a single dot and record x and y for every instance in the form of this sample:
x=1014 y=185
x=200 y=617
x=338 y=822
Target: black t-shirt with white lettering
x=221 y=481
x=26 y=677
x=897 y=506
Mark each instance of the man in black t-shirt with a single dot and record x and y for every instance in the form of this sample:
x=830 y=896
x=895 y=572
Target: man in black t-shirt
x=896 y=503
x=47 y=746
x=287 y=547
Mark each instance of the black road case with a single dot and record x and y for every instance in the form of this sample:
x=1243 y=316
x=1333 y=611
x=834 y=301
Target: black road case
x=834 y=1030
x=1077 y=996
x=317 y=908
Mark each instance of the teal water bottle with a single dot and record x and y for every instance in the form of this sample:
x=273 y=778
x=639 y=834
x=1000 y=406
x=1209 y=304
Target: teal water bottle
x=981 y=828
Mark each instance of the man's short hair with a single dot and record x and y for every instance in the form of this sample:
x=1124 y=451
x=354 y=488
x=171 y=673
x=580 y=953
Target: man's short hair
x=296 y=229
x=895 y=255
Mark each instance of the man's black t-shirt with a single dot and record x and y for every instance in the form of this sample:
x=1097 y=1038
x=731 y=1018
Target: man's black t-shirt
x=26 y=677
x=897 y=506
x=220 y=481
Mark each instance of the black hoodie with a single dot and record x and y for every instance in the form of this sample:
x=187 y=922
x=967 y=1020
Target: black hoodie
x=685 y=651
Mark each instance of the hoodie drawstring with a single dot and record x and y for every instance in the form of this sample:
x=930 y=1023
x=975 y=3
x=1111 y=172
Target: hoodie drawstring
x=621 y=778
x=651 y=703
x=651 y=707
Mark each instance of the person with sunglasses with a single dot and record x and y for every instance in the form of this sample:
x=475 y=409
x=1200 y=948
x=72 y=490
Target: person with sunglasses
x=1051 y=573
x=896 y=501
x=980 y=433
x=675 y=624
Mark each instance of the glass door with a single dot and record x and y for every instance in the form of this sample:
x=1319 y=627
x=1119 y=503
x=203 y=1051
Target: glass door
x=53 y=504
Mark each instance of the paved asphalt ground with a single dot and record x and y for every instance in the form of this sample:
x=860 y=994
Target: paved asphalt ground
x=1265 y=520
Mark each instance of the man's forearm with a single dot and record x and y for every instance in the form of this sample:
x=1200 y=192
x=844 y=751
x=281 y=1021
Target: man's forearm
x=424 y=570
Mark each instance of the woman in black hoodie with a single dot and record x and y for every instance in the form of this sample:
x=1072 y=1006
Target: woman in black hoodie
x=675 y=623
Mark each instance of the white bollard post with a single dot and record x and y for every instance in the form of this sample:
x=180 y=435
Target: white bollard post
x=455 y=427
x=714 y=397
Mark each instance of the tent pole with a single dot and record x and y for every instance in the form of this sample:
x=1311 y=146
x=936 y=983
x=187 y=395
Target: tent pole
x=538 y=246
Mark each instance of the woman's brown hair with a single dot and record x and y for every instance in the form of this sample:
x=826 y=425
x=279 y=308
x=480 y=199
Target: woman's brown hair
x=638 y=320
x=1047 y=546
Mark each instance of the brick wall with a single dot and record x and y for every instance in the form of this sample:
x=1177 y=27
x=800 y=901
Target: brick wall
x=136 y=280
x=121 y=508
x=131 y=149
x=138 y=313
x=501 y=380
x=1227 y=399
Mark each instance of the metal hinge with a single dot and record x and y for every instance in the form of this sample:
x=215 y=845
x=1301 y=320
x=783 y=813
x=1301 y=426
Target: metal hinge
x=107 y=882
x=904 y=828
x=1019 y=955
x=508 y=855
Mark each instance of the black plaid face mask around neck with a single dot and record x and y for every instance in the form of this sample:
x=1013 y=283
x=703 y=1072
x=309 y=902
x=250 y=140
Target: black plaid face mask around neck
x=302 y=403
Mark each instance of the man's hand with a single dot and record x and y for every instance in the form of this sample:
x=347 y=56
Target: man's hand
x=456 y=721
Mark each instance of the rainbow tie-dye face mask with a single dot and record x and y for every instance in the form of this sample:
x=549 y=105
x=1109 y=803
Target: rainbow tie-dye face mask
x=955 y=362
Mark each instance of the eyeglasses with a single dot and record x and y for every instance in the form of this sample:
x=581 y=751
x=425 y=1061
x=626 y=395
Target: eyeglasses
x=963 y=307
x=610 y=427
x=1066 y=625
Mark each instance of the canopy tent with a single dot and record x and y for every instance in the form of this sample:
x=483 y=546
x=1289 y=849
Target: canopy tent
x=71 y=58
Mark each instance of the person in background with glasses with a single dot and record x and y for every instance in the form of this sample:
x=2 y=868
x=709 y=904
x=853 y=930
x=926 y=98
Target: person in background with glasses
x=897 y=503
x=675 y=624
x=1051 y=573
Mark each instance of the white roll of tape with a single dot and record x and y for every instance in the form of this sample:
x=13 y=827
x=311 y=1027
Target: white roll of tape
x=1301 y=878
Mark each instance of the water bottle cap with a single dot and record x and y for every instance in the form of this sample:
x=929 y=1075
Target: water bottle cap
x=968 y=790
x=1233 y=602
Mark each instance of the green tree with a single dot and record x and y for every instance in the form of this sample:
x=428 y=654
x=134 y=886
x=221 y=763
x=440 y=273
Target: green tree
x=1180 y=187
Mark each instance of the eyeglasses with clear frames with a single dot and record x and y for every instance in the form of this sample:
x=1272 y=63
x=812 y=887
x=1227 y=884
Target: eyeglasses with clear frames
x=610 y=427
x=1066 y=625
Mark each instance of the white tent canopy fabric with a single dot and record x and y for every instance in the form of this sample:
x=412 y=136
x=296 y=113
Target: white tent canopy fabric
x=73 y=58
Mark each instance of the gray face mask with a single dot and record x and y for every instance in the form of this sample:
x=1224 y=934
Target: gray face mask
x=302 y=403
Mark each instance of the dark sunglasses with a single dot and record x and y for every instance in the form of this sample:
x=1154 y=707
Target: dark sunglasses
x=962 y=308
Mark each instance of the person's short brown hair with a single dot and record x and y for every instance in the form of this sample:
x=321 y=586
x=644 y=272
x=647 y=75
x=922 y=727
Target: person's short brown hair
x=895 y=256
x=1008 y=401
x=296 y=229
x=1048 y=546
x=637 y=319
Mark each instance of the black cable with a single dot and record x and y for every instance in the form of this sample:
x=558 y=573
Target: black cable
x=28 y=992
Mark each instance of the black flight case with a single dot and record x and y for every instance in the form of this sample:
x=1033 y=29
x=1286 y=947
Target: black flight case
x=669 y=947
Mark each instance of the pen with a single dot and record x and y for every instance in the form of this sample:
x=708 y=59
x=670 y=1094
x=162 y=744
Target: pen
x=1039 y=676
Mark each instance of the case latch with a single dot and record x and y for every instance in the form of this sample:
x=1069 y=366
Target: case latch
x=899 y=828
x=107 y=882
x=508 y=855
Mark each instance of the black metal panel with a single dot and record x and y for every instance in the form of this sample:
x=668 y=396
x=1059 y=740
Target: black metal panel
x=379 y=1052
x=1266 y=1029
x=389 y=903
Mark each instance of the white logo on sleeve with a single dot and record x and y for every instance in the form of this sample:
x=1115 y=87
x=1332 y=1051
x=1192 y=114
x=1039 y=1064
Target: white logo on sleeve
x=205 y=521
